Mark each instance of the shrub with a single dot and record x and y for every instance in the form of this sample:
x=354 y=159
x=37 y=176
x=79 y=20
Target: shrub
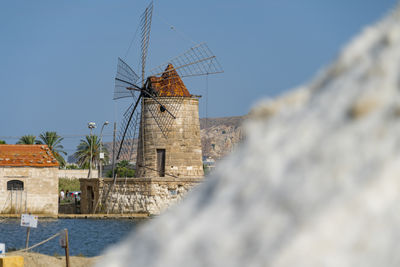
x=68 y=184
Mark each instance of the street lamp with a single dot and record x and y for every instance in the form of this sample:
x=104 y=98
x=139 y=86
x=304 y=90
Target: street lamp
x=91 y=126
x=101 y=156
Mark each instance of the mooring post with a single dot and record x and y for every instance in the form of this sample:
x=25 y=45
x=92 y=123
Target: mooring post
x=28 y=230
x=66 y=248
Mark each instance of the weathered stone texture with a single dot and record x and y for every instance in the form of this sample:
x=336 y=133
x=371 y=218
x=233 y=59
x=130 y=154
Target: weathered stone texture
x=182 y=145
x=220 y=136
x=40 y=194
x=137 y=195
x=77 y=174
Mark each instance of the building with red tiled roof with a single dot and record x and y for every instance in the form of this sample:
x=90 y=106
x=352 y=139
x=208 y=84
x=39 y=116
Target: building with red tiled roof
x=28 y=179
x=27 y=156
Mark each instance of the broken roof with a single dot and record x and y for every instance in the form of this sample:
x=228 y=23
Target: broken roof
x=27 y=156
x=169 y=84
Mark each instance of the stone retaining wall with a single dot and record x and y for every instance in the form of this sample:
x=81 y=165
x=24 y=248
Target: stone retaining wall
x=134 y=195
x=76 y=174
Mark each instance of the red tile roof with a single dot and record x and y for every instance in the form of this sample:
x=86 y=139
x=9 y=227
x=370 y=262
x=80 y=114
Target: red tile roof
x=27 y=155
x=169 y=84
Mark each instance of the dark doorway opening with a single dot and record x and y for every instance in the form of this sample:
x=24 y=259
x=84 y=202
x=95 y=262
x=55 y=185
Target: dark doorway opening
x=90 y=198
x=161 y=162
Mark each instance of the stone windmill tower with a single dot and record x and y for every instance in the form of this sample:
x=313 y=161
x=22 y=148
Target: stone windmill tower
x=162 y=122
x=176 y=153
x=160 y=129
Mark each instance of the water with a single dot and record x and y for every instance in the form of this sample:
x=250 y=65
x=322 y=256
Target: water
x=86 y=237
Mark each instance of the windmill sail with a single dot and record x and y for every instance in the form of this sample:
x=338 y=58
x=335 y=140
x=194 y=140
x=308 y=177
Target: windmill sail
x=198 y=60
x=124 y=79
x=145 y=22
x=129 y=132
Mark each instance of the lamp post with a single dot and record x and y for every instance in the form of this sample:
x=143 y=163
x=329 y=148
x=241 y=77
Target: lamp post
x=101 y=155
x=91 y=126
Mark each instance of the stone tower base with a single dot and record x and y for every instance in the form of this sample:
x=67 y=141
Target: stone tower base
x=134 y=195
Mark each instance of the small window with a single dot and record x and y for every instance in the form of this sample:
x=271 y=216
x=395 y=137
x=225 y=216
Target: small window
x=15 y=185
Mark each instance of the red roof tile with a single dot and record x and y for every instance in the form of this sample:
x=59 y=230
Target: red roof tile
x=27 y=155
x=169 y=84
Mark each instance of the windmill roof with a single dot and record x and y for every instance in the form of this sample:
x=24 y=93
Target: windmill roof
x=27 y=156
x=169 y=84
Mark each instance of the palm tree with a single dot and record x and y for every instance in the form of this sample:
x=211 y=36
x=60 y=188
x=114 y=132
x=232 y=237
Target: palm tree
x=27 y=140
x=53 y=141
x=89 y=148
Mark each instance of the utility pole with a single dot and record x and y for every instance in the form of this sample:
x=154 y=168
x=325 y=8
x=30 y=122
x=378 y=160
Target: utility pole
x=101 y=155
x=113 y=153
x=91 y=126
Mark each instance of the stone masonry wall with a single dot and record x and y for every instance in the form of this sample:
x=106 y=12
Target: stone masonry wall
x=137 y=195
x=76 y=174
x=40 y=194
x=182 y=144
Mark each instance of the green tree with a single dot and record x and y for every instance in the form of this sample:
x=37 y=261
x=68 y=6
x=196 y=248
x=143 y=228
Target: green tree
x=90 y=146
x=53 y=141
x=2 y=142
x=27 y=140
x=123 y=169
x=71 y=167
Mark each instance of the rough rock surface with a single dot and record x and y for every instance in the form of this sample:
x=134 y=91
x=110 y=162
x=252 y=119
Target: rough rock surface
x=220 y=136
x=315 y=183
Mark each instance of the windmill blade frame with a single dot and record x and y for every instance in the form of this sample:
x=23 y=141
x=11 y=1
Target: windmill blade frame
x=126 y=77
x=129 y=130
x=145 y=25
x=196 y=61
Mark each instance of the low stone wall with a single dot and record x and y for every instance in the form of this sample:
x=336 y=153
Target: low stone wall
x=77 y=174
x=134 y=195
x=67 y=208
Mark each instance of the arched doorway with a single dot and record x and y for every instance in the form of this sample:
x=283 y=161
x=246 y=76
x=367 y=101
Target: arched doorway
x=16 y=196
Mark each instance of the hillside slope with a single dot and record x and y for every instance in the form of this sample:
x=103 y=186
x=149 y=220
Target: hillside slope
x=219 y=136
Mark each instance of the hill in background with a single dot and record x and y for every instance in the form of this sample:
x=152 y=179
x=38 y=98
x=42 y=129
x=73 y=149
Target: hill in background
x=219 y=136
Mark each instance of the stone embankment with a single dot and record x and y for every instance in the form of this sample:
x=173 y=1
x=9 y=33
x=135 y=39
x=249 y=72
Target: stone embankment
x=147 y=196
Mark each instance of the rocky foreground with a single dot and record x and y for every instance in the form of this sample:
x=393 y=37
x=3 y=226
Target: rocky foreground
x=315 y=182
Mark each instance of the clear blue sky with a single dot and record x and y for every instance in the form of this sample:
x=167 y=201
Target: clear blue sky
x=58 y=58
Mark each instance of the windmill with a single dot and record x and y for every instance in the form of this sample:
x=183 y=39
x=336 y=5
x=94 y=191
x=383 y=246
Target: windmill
x=163 y=88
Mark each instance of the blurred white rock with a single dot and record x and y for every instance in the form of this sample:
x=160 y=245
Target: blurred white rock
x=316 y=182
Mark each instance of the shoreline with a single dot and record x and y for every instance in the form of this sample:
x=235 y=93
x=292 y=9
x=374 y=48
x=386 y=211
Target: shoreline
x=34 y=259
x=133 y=216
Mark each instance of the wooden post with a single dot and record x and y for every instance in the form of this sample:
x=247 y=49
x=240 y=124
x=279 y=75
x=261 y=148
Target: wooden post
x=28 y=230
x=66 y=248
